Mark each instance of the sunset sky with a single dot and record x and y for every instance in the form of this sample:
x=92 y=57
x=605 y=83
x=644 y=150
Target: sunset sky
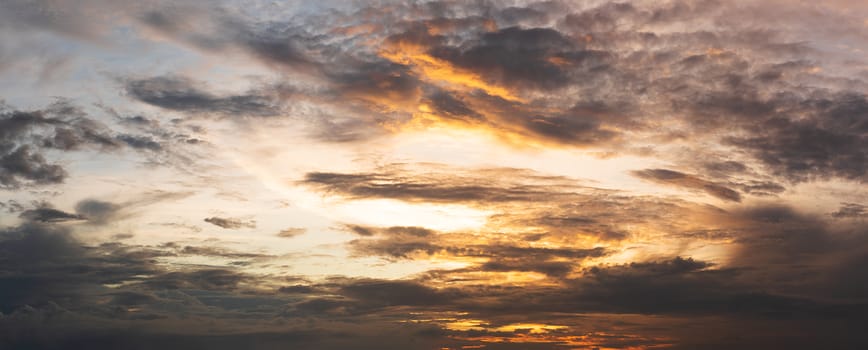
x=498 y=175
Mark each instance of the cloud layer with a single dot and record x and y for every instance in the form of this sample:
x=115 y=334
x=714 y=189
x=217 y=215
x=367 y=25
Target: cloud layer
x=684 y=174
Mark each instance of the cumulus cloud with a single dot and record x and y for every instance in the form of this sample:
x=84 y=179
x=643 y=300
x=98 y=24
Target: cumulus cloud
x=27 y=136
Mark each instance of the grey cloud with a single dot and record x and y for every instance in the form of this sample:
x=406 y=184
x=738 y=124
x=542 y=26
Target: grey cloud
x=209 y=279
x=54 y=295
x=101 y=212
x=445 y=104
x=55 y=17
x=378 y=81
x=96 y=211
x=831 y=142
x=212 y=252
x=719 y=83
x=44 y=263
x=381 y=293
x=141 y=142
x=572 y=130
x=22 y=164
x=760 y=188
x=181 y=94
x=436 y=187
x=851 y=210
x=516 y=56
x=48 y=215
x=272 y=46
x=230 y=223
x=379 y=335
x=671 y=177
x=26 y=135
x=726 y=167
x=400 y=242
x=297 y=289
x=11 y=206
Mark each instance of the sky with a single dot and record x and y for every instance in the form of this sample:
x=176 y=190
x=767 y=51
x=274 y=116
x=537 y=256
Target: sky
x=684 y=174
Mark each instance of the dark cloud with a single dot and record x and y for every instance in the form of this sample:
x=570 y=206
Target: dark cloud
x=297 y=289
x=447 y=105
x=211 y=252
x=437 y=187
x=230 y=223
x=11 y=206
x=45 y=264
x=55 y=294
x=726 y=167
x=23 y=164
x=760 y=188
x=400 y=242
x=181 y=94
x=517 y=56
x=831 y=142
x=379 y=82
x=27 y=136
x=141 y=142
x=379 y=293
x=96 y=211
x=851 y=210
x=48 y=215
x=671 y=177
x=275 y=46
x=208 y=279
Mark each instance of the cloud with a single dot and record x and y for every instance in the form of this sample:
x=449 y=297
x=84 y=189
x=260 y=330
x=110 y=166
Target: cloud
x=54 y=289
x=45 y=263
x=11 y=206
x=671 y=177
x=27 y=136
x=483 y=66
x=829 y=142
x=140 y=142
x=48 y=215
x=96 y=211
x=518 y=56
x=182 y=94
x=23 y=164
x=230 y=223
x=404 y=184
x=292 y=232
x=850 y=210
x=745 y=99
x=209 y=279
x=418 y=243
